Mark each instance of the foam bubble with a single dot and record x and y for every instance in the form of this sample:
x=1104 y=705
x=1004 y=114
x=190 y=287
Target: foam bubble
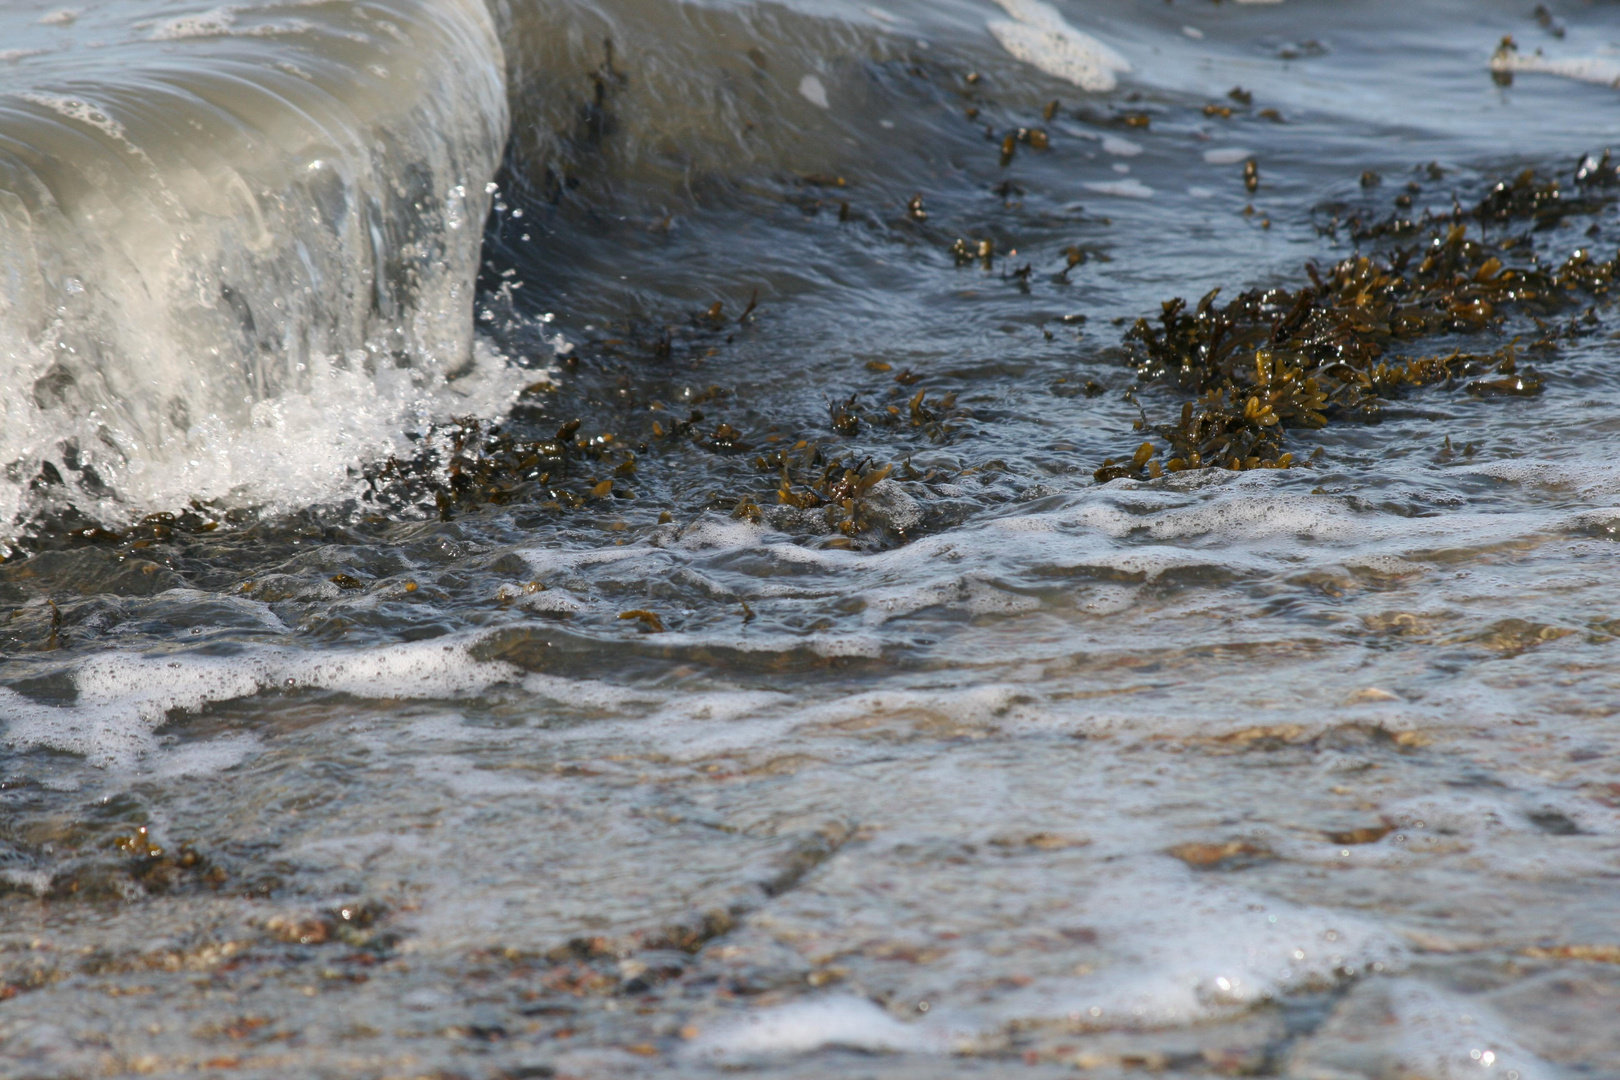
x=1042 y=38
x=124 y=698
x=37 y=882
x=1185 y=951
x=203 y=24
x=1130 y=188
x=1404 y=1027
x=839 y=1020
x=202 y=759
x=814 y=91
x=1586 y=478
x=968 y=594
x=82 y=110
x=1448 y=1038
x=1227 y=155
x=1589 y=69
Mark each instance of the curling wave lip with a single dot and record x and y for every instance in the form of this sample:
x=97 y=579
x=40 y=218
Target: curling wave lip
x=216 y=223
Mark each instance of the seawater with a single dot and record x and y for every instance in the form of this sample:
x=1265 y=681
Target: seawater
x=344 y=739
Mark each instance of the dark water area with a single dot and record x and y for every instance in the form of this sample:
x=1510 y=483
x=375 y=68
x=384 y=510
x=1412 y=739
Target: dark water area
x=755 y=608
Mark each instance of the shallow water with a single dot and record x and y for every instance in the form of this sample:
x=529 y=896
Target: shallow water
x=361 y=762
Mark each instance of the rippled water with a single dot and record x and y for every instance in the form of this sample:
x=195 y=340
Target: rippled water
x=347 y=734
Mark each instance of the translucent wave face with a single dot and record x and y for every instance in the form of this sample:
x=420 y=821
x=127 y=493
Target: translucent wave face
x=238 y=247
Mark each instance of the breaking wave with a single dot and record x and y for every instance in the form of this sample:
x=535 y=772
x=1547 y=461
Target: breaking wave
x=228 y=232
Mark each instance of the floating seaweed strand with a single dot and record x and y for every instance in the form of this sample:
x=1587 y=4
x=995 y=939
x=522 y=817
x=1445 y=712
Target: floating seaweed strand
x=1272 y=360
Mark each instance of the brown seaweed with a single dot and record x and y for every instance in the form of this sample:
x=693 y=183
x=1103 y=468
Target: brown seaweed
x=1349 y=340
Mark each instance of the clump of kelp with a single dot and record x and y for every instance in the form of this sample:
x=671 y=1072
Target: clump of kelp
x=825 y=481
x=1352 y=338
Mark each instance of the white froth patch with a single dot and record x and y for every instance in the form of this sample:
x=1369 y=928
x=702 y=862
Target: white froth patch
x=1247 y=518
x=1227 y=155
x=979 y=705
x=587 y=693
x=813 y=90
x=1386 y=565
x=1186 y=951
x=1460 y=824
x=838 y=1020
x=1113 y=144
x=890 y=500
x=201 y=759
x=123 y=698
x=713 y=532
x=1449 y=1038
x=1129 y=188
x=1600 y=70
x=82 y=110
x=552 y=601
x=1041 y=37
x=1165 y=515
x=557 y=560
x=1588 y=478
x=298 y=449
x=213 y=23
x=37 y=882
x=837 y=644
x=467 y=781
x=967 y=594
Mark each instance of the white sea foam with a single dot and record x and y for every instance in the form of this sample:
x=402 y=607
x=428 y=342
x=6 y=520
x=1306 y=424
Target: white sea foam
x=840 y=1020
x=1447 y=1037
x=1041 y=37
x=203 y=24
x=123 y=698
x=1183 y=951
x=1131 y=188
x=37 y=882
x=969 y=594
x=293 y=450
x=214 y=316
x=1601 y=70
x=1227 y=155
x=201 y=759
x=82 y=110
x=813 y=90
x=1585 y=478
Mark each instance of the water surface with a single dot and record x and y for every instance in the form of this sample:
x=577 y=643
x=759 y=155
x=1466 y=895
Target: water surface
x=368 y=716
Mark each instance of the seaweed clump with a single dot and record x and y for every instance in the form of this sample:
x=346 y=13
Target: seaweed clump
x=470 y=463
x=841 y=491
x=1341 y=345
